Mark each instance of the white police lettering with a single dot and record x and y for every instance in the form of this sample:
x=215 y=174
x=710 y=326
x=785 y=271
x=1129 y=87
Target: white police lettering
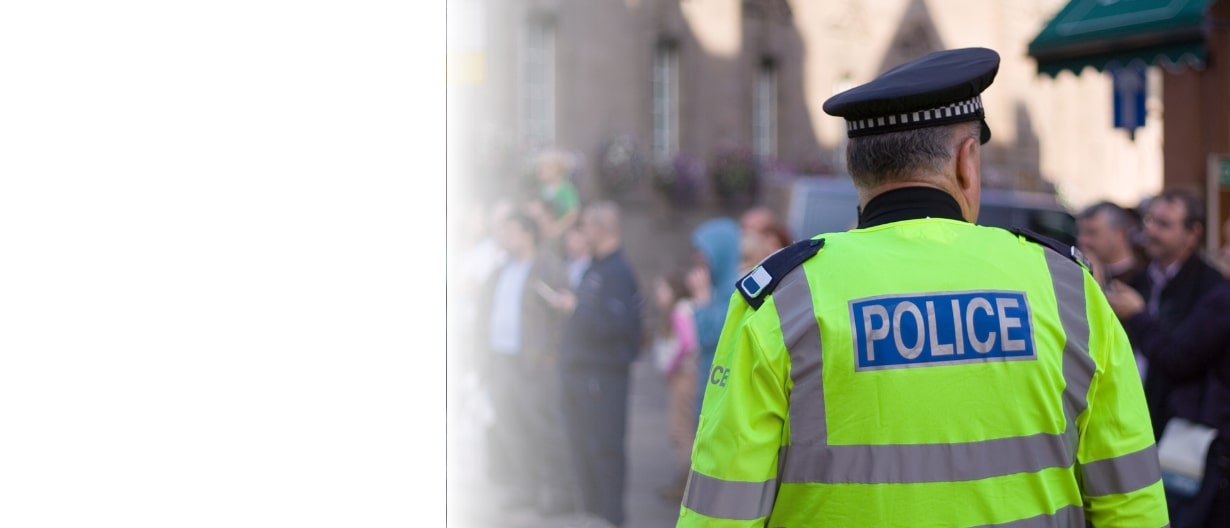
x=874 y=333
x=956 y=324
x=940 y=327
x=979 y=346
x=907 y=352
x=937 y=348
x=1007 y=323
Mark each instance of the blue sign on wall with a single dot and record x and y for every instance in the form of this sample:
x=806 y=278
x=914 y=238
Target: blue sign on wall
x=1129 y=86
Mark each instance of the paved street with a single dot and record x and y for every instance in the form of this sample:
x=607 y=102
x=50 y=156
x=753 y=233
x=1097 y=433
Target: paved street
x=650 y=467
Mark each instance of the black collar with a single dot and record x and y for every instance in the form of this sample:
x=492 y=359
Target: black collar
x=908 y=203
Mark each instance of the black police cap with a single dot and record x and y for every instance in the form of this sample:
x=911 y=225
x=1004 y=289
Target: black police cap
x=941 y=88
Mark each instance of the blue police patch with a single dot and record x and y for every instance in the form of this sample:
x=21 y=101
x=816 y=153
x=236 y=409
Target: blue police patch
x=900 y=331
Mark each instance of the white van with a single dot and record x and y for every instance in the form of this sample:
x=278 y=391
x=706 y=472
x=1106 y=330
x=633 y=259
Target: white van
x=822 y=204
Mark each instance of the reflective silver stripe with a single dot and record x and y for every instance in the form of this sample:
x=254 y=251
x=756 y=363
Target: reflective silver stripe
x=1122 y=474
x=1066 y=517
x=1068 y=279
x=725 y=499
x=919 y=463
x=801 y=334
x=738 y=500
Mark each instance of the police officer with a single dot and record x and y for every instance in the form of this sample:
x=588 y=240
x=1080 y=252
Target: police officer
x=922 y=370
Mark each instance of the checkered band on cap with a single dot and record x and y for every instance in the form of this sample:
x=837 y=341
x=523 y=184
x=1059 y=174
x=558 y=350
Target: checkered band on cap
x=949 y=113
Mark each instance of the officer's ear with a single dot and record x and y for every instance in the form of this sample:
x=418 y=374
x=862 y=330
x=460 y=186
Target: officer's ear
x=969 y=176
x=969 y=164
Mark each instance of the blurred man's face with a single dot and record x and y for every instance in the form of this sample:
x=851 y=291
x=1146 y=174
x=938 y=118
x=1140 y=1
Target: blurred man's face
x=591 y=231
x=751 y=245
x=756 y=240
x=1096 y=236
x=1166 y=238
x=755 y=221
x=575 y=243
x=514 y=239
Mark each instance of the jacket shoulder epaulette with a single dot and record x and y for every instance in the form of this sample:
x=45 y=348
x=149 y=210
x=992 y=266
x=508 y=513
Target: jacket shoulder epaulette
x=760 y=282
x=1066 y=250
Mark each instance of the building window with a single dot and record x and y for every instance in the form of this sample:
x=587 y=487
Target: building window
x=665 y=100
x=538 y=83
x=764 y=110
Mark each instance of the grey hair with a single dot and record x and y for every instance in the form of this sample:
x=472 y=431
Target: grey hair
x=604 y=215
x=906 y=155
x=1118 y=217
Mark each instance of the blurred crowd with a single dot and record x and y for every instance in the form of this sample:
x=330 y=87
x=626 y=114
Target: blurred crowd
x=555 y=316
x=1173 y=299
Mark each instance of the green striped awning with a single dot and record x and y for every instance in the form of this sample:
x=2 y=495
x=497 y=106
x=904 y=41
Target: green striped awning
x=1113 y=33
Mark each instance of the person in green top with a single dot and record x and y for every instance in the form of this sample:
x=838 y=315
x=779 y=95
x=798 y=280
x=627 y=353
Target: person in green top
x=555 y=186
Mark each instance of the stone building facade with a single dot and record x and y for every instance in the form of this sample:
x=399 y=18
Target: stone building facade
x=635 y=86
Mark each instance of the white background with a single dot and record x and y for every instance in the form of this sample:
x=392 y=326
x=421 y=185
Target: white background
x=221 y=263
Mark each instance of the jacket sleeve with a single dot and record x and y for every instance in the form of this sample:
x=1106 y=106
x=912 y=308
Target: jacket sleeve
x=1188 y=351
x=741 y=427
x=1116 y=459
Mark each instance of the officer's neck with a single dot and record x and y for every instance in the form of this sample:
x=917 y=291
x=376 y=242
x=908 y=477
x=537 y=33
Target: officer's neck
x=908 y=202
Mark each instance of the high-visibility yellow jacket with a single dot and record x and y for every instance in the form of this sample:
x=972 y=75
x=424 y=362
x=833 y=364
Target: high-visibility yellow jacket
x=925 y=372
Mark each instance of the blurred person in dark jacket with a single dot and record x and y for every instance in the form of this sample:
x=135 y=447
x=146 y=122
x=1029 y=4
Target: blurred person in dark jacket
x=602 y=336
x=1105 y=235
x=716 y=248
x=1198 y=350
x=1176 y=278
x=521 y=330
